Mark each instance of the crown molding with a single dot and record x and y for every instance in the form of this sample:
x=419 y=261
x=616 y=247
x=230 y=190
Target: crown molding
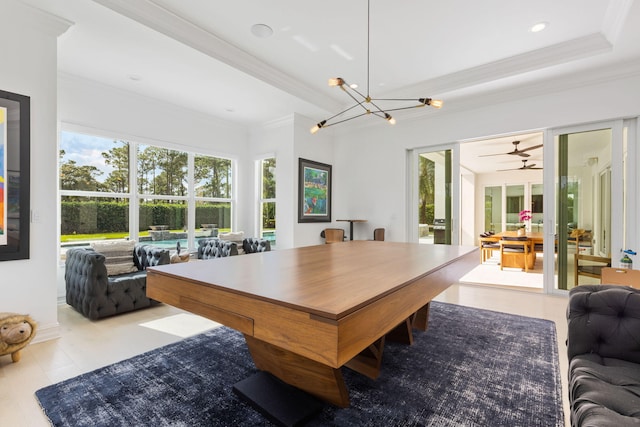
x=172 y=25
x=38 y=19
x=614 y=19
x=560 y=53
x=605 y=74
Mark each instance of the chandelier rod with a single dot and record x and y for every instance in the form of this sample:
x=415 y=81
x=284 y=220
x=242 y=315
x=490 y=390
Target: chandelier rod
x=376 y=110
x=368 y=46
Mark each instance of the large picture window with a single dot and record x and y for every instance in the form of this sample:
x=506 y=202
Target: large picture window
x=101 y=198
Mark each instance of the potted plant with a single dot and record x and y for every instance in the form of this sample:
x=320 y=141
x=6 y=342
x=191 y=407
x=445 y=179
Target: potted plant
x=525 y=215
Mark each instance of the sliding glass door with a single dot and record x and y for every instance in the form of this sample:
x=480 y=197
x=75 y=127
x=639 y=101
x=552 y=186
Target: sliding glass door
x=586 y=193
x=433 y=216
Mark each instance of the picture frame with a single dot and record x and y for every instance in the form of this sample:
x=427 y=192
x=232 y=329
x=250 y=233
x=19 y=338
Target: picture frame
x=15 y=152
x=314 y=191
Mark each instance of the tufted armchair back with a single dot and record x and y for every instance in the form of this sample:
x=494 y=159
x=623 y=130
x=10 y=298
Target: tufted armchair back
x=252 y=245
x=604 y=320
x=216 y=248
x=149 y=256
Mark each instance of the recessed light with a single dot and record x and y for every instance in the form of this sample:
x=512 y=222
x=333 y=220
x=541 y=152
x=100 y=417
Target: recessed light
x=536 y=28
x=261 y=30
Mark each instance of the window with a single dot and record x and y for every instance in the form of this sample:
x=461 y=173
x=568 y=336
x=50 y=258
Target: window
x=213 y=190
x=268 y=199
x=99 y=192
x=503 y=213
x=493 y=209
x=94 y=188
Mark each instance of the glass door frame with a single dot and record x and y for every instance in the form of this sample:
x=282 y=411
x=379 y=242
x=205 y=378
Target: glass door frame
x=413 y=159
x=550 y=196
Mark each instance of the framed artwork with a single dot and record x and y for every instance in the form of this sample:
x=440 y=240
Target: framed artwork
x=314 y=191
x=14 y=175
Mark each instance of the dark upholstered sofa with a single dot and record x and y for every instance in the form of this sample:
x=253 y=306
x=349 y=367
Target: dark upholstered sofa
x=95 y=294
x=603 y=346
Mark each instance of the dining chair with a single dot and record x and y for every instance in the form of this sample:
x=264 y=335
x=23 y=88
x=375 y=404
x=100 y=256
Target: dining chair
x=488 y=244
x=333 y=235
x=515 y=247
x=589 y=266
x=378 y=234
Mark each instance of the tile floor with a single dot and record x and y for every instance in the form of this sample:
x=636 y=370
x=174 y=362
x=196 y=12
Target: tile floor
x=85 y=345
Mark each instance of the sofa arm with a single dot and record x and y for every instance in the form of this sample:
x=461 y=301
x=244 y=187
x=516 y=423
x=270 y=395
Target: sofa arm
x=85 y=277
x=605 y=320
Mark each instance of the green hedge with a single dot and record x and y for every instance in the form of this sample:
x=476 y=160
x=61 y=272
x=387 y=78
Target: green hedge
x=107 y=217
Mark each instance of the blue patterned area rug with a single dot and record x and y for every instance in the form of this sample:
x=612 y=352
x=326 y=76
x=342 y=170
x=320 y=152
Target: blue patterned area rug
x=471 y=368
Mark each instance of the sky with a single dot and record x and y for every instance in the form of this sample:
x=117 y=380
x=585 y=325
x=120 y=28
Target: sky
x=87 y=150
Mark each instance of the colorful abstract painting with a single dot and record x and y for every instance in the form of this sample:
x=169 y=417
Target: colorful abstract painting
x=3 y=175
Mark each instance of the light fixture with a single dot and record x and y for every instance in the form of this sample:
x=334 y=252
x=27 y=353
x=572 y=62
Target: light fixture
x=361 y=100
x=536 y=28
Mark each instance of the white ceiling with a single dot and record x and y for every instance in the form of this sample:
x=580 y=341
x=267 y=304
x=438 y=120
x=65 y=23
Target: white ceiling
x=201 y=54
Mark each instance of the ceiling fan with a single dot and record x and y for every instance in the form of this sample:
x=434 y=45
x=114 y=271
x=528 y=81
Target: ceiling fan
x=523 y=167
x=521 y=153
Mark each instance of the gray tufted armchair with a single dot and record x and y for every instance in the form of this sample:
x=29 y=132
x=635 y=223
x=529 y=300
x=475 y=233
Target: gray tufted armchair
x=603 y=345
x=216 y=248
x=95 y=294
x=252 y=245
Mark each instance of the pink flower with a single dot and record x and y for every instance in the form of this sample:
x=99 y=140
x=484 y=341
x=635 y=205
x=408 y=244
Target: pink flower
x=525 y=215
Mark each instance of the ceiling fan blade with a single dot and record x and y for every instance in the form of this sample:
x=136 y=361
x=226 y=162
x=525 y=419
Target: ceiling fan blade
x=530 y=148
x=497 y=154
x=520 y=153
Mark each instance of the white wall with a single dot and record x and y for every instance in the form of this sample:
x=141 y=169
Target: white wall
x=277 y=139
x=28 y=67
x=319 y=148
x=372 y=164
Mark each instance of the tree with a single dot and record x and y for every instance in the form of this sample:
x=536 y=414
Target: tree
x=426 y=190
x=214 y=176
x=74 y=177
x=118 y=158
x=268 y=178
x=162 y=171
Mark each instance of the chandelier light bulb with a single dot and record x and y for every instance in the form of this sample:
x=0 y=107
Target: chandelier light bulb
x=436 y=103
x=390 y=119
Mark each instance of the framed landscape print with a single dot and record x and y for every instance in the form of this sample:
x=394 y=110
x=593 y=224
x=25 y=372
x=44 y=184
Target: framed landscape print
x=314 y=191
x=14 y=176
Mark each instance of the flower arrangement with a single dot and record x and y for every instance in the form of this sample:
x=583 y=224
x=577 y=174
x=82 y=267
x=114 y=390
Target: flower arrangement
x=525 y=215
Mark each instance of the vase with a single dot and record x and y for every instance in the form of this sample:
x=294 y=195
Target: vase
x=521 y=232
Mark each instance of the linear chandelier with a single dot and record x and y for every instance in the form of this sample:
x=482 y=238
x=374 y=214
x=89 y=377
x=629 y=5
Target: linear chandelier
x=366 y=102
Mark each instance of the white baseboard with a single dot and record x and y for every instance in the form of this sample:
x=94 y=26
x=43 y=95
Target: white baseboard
x=47 y=333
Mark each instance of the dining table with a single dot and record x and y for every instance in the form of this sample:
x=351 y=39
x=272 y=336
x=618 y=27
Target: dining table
x=534 y=238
